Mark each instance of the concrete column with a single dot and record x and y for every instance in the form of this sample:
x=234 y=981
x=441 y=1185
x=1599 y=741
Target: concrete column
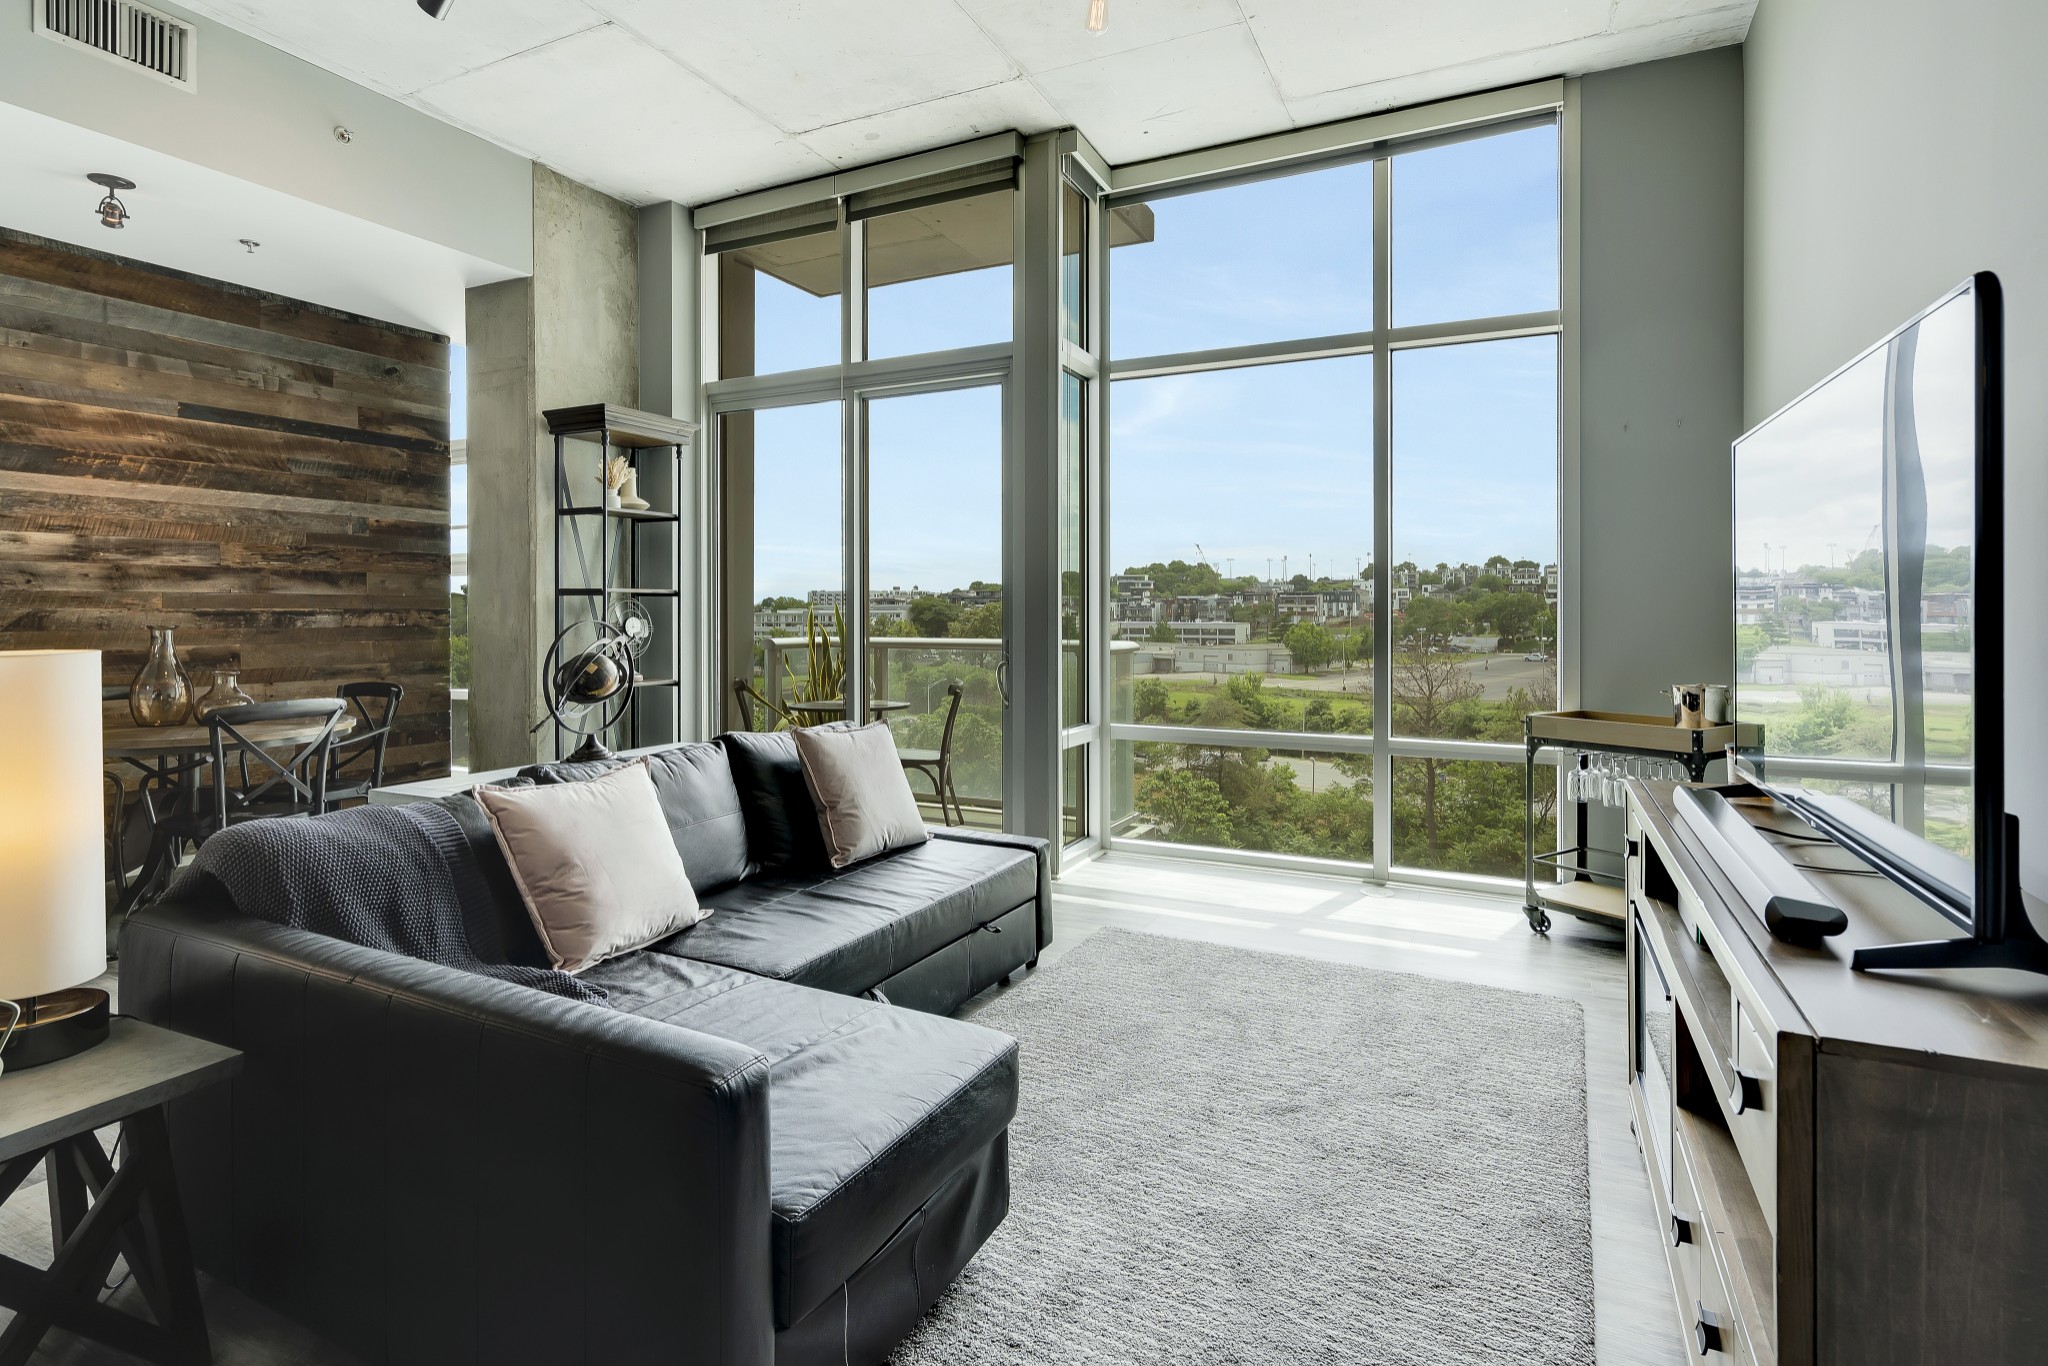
x=671 y=322
x=567 y=335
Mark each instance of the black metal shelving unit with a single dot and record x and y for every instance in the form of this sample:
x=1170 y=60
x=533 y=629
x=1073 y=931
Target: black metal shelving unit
x=623 y=566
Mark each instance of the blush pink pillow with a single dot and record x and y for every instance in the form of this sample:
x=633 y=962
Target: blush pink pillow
x=595 y=864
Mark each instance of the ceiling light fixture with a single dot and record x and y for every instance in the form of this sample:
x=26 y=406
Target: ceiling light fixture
x=113 y=213
x=1098 y=15
x=250 y=245
x=436 y=9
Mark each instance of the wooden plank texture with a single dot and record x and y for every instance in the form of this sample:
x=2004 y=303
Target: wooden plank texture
x=266 y=476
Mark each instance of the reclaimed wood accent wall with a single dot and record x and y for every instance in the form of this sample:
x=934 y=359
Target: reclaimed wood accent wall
x=267 y=476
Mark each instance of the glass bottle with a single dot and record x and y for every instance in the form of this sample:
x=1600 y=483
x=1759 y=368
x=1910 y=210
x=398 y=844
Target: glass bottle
x=225 y=692
x=161 y=695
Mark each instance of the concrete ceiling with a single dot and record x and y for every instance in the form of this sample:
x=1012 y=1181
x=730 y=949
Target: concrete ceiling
x=693 y=100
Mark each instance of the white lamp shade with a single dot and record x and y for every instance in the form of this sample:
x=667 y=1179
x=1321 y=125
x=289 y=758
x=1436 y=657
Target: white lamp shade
x=53 y=910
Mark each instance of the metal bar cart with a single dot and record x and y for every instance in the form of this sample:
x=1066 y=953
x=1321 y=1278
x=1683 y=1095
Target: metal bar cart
x=1594 y=893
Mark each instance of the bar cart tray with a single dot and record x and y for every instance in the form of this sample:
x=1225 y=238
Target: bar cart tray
x=1626 y=730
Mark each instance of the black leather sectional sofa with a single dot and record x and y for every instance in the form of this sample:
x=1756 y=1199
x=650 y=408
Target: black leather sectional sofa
x=768 y=1147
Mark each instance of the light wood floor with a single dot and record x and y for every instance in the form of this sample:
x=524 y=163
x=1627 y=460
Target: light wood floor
x=1460 y=937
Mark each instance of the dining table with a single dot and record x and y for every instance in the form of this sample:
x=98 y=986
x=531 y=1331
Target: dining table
x=169 y=760
x=836 y=706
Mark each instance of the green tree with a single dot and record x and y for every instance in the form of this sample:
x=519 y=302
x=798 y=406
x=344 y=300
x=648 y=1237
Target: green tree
x=933 y=616
x=1149 y=700
x=1188 y=808
x=984 y=622
x=1161 y=634
x=1312 y=645
x=458 y=638
x=1432 y=619
x=1433 y=693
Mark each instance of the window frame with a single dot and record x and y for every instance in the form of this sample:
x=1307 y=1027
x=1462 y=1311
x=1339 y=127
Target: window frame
x=1376 y=140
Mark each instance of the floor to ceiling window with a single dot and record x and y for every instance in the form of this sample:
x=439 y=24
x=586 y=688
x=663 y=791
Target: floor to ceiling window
x=860 y=428
x=1333 y=474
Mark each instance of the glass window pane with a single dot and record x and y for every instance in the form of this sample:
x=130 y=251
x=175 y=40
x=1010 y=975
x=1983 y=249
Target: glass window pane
x=1475 y=228
x=1278 y=801
x=1074 y=594
x=1242 y=539
x=1475 y=538
x=1273 y=260
x=1074 y=793
x=783 y=476
x=935 y=596
x=1073 y=279
x=779 y=306
x=939 y=276
x=1465 y=816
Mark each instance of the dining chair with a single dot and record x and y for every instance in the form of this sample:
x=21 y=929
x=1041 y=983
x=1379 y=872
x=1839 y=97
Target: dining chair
x=272 y=784
x=937 y=764
x=361 y=751
x=744 y=695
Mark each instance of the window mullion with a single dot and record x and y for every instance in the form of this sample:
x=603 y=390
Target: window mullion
x=1382 y=521
x=853 y=465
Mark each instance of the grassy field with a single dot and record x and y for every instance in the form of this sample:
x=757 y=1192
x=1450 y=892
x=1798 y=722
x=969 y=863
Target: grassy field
x=1948 y=726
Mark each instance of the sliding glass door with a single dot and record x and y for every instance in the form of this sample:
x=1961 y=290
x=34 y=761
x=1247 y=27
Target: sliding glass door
x=934 y=570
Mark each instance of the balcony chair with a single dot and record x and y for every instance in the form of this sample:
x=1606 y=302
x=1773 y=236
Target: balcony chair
x=937 y=764
x=361 y=752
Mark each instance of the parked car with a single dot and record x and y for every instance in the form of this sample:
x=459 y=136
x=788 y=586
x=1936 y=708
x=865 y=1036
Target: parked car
x=1536 y=657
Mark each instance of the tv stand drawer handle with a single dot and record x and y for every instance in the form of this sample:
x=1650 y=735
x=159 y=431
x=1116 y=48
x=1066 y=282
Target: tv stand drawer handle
x=1747 y=1093
x=1706 y=1330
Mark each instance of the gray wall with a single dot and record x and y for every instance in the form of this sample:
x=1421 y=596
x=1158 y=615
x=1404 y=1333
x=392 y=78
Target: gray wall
x=1660 y=338
x=568 y=335
x=1894 y=147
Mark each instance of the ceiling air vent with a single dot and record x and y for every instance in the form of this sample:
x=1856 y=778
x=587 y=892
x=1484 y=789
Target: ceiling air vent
x=134 y=35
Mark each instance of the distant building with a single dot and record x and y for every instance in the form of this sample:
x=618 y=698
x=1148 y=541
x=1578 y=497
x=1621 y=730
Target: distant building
x=1804 y=665
x=1131 y=587
x=1240 y=659
x=1210 y=632
x=1852 y=635
x=1756 y=597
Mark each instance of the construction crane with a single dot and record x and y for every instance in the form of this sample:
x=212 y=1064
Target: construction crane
x=1202 y=556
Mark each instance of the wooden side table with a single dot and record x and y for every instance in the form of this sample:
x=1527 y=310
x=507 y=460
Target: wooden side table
x=48 y=1115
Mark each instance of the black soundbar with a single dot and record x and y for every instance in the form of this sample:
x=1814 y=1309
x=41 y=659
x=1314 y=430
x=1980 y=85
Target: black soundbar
x=1790 y=906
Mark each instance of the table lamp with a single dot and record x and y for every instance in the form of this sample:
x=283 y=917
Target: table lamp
x=53 y=900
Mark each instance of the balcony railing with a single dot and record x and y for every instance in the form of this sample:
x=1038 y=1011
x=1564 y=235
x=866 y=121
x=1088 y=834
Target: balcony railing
x=915 y=671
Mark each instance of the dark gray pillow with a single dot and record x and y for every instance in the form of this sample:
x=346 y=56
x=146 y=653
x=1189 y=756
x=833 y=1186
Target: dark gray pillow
x=782 y=820
x=702 y=807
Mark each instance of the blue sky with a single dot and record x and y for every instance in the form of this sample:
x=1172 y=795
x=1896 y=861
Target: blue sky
x=1253 y=464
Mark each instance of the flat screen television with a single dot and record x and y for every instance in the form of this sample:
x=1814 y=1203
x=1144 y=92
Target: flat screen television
x=1869 y=605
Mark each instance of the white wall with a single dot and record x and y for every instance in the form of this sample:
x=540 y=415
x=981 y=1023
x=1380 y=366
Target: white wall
x=1660 y=392
x=268 y=118
x=1893 y=147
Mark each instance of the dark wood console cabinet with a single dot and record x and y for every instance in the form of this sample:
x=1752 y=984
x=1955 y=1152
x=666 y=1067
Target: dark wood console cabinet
x=1849 y=1168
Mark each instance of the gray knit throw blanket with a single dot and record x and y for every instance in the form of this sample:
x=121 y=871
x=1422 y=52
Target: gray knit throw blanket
x=398 y=878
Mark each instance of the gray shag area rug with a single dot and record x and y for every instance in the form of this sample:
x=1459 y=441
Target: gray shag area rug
x=1227 y=1156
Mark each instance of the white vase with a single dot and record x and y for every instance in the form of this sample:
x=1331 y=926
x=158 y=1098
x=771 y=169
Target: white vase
x=629 y=492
